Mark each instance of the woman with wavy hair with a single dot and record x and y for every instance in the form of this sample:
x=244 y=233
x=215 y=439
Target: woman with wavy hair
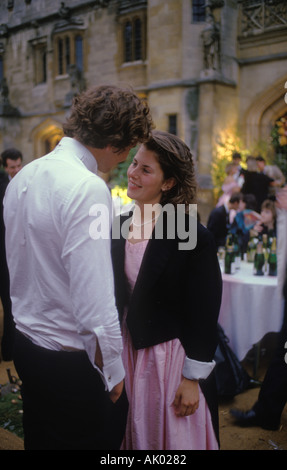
x=168 y=292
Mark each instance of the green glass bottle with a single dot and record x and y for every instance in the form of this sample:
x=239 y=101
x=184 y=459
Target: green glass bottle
x=251 y=247
x=236 y=250
x=265 y=251
x=259 y=260
x=229 y=260
x=272 y=260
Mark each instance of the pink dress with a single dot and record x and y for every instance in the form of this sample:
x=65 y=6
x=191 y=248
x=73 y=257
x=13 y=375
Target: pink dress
x=152 y=377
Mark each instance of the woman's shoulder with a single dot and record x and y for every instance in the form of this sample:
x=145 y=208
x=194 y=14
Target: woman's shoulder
x=204 y=236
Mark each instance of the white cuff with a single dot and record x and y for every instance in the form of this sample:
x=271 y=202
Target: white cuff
x=113 y=373
x=195 y=370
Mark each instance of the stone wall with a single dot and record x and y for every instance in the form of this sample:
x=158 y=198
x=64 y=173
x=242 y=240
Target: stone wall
x=243 y=92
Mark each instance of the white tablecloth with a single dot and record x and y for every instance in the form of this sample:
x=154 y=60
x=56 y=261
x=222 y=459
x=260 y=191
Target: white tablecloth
x=251 y=307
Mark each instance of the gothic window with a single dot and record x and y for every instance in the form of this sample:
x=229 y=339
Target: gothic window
x=138 y=39
x=63 y=55
x=69 y=50
x=79 y=52
x=172 y=124
x=133 y=40
x=60 y=57
x=1 y=68
x=39 y=48
x=41 y=65
x=128 y=41
x=198 y=10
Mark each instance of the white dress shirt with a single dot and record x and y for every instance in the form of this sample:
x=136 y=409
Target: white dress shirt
x=62 y=286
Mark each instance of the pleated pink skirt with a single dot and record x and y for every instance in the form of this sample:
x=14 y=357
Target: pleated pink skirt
x=152 y=378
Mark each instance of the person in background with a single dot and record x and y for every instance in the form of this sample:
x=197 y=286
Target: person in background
x=12 y=160
x=168 y=298
x=68 y=342
x=221 y=217
x=244 y=220
x=274 y=172
x=3 y=174
x=272 y=398
x=268 y=216
x=236 y=159
x=230 y=185
x=256 y=183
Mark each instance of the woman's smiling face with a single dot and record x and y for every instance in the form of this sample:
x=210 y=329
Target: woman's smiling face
x=145 y=178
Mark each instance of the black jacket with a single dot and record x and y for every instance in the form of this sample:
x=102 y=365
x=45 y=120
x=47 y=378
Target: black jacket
x=177 y=294
x=218 y=225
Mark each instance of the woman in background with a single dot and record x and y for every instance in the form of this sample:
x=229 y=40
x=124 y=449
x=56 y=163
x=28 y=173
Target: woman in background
x=230 y=184
x=168 y=296
x=268 y=217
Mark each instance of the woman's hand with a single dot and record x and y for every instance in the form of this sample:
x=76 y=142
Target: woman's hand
x=258 y=227
x=186 y=399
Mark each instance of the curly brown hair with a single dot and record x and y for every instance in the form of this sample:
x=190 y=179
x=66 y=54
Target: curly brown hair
x=176 y=162
x=109 y=115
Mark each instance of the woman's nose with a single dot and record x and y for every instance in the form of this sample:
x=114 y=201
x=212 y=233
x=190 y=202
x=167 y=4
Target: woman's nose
x=133 y=171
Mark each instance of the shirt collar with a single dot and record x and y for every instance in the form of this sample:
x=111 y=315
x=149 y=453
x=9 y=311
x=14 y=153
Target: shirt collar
x=82 y=153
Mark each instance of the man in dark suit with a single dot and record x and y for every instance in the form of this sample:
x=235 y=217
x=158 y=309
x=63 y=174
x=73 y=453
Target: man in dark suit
x=219 y=221
x=256 y=183
x=12 y=163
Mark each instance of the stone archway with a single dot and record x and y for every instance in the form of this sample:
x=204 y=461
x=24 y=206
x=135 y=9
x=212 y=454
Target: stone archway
x=46 y=136
x=263 y=112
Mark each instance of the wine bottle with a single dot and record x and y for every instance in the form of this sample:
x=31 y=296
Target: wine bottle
x=251 y=247
x=229 y=255
x=229 y=260
x=265 y=251
x=272 y=260
x=259 y=260
x=236 y=250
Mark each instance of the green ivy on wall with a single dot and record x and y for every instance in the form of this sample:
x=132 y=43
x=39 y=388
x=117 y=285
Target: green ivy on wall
x=279 y=142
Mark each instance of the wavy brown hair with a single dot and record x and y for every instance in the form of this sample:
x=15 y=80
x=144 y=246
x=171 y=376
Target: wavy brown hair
x=109 y=115
x=176 y=162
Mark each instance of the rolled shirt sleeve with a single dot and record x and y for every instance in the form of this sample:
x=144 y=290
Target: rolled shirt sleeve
x=196 y=370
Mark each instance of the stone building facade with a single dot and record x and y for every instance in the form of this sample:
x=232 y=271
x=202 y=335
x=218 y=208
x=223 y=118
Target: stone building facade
x=205 y=66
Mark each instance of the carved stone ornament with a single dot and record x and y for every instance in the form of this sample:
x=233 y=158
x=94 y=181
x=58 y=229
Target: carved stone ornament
x=3 y=30
x=6 y=109
x=211 y=42
x=212 y=4
x=263 y=16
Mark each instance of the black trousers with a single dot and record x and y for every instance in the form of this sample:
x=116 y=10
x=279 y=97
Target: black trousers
x=7 y=343
x=273 y=393
x=65 y=405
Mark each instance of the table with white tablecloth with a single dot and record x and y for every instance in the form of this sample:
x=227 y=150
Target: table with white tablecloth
x=251 y=307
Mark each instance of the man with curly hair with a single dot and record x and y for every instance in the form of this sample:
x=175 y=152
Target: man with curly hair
x=68 y=340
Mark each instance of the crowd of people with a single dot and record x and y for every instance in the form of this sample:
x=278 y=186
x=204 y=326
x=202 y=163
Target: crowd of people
x=114 y=337
x=247 y=201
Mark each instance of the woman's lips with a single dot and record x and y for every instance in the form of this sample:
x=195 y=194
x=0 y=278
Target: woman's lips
x=132 y=184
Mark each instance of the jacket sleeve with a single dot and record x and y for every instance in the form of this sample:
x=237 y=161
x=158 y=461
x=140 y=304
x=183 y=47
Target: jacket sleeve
x=202 y=301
